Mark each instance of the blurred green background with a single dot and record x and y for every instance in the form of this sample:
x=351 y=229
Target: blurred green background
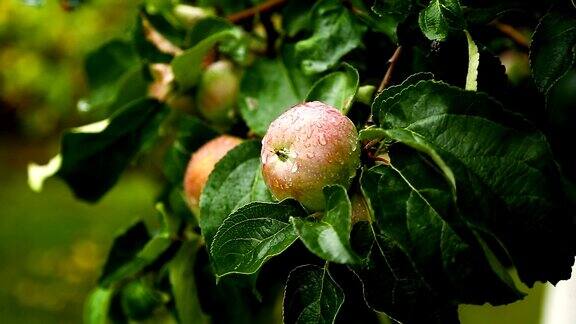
x=51 y=245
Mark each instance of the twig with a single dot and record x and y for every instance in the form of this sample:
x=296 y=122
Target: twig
x=251 y=12
x=513 y=33
x=391 y=65
x=159 y=41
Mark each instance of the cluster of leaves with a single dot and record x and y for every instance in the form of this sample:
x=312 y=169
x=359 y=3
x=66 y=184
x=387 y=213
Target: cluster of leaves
x=471 y=195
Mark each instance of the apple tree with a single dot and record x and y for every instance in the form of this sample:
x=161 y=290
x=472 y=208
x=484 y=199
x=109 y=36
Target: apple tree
x=331 y=161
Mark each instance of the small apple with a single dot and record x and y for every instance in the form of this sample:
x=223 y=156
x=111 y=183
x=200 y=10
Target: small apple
x=201 y=165
x=139 y=300
x=310 y=146
x=517 y=65
x=218 y=93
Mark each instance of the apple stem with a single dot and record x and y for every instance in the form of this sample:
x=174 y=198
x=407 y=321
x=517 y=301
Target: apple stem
x=391 y=65
x=512 y=33
x=282 y=154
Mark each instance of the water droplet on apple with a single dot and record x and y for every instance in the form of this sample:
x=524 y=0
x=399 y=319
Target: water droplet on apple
x=294 y=167
x=322 y=139
x=309 y=132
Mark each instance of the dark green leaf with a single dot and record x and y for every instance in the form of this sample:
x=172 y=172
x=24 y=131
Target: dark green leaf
x=311 y=296
x=388 y=15
x=125 y=247
x=132 y=252
x=106 y=68
x=329 y=237
x=392 y=7
x=337 y=89
x=440 y=17
x=392 y=285
x=552 y=50
x=415 y=206
x=296 y=17
x=183 y=282
x=92 y=162
x=483 y=16
x=228 y=6
x=336 y=32
x=269 y=87
x=235 y=181
x=133 y=85
x=508 y=185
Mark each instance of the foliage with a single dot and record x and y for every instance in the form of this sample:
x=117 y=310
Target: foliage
x=461 y=182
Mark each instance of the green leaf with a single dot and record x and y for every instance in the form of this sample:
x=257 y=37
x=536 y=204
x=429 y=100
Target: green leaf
x=392 y=7
x=253 y=234
x=483 y=16
x=187 y=67
x=296 y=18
x=552 y=50
x=337 y=89
x=508 y=185
x=392 y=285
x=97 y=306
x=235 y=181
x=228 y=6
x=441 y=17
x=93 y=157
x=473 y=63
x=132 y=252
x=311 y=296
x=183 y=282
x=106 y=69
x=389 y=14
x=391 y=91
x=336 y=33
x=415 y=206
x=269 y=87
x=329 y=237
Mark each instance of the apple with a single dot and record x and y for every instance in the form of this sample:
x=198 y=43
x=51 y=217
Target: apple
x=218 y=92
x=202 y=163
x=139 y=300
x=517 y=65
x=310 y=146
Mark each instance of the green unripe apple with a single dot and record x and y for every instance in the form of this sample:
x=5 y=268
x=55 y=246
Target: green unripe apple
x=310 y=146
x=139 y=300
x=517 y=65
x=218 y=93
x=202 y=163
